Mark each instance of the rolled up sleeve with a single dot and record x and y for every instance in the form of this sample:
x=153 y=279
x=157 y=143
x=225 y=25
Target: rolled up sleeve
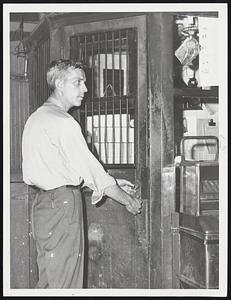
x=81 y=162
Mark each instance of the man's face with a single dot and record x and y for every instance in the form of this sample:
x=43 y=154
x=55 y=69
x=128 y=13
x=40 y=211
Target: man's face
x=74 y=87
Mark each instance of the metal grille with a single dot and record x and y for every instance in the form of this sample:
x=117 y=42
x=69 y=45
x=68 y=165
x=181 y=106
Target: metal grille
x=39 y=69
x=108 y=113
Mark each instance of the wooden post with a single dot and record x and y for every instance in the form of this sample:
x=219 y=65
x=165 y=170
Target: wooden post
x=161 y=126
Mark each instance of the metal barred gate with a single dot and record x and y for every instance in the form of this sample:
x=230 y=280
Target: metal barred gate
x=108 y=114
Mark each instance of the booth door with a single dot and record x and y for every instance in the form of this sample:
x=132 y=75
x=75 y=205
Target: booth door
x=113 y=119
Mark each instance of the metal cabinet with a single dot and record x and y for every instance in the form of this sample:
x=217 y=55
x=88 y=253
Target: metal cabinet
x=199 y=188
x=199 y=179
x=198 y=227
x=199 y=251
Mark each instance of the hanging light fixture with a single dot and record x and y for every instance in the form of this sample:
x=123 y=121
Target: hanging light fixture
x=21 y=50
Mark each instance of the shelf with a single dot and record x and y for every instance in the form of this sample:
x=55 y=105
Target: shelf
x=185 y=93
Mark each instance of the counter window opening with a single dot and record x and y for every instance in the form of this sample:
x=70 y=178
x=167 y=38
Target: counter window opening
x=107 y=115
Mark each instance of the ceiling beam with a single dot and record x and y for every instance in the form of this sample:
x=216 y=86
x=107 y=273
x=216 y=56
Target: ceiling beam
x=27 y=17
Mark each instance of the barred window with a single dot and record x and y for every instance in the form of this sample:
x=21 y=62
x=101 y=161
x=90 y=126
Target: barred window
x=108 y=113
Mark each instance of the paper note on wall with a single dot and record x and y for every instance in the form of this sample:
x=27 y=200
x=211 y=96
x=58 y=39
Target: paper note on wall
x=208 y=57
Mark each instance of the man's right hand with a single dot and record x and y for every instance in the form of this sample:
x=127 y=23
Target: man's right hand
x=134 y=206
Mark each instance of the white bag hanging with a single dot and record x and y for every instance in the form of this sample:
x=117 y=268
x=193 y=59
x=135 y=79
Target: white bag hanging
x=188 y=51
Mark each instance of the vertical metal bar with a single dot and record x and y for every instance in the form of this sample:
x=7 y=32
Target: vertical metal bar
x=19 y=114
x=207 y=262
x=77 y=48
x=47 y=63
x=92 y=92
x=45 y=67
x=44 y=78
x=113 y=89
x=92 y=125
x=81 y=42
x=40 y=74
x=78 y=54
x=105 y=129
x=37 y=78
x=33 y=87
x=15 y=124
x=42 y=67
x=198 y=186
x=85 y=119
x=92 y=67
x=71 y=47
x=46 y=54
x=120 y=96
x=11 y=124
x=85 y=49
x=182 y=182
x=34 y=77
x=127 y=89
x=81 y=54
x=42 y=70
x=48 y=59
x=98 y=89
x=39 y=69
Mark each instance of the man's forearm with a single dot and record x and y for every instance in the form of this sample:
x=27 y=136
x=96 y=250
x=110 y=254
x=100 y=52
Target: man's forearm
x=133 y=204
x=117 y=194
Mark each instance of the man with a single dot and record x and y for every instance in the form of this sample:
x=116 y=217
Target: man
x=57 y=161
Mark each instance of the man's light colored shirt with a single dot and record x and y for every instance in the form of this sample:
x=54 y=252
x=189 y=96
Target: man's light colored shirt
x=55 y=153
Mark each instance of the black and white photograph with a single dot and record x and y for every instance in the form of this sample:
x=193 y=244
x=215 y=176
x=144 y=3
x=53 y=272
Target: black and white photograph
x=115 y=141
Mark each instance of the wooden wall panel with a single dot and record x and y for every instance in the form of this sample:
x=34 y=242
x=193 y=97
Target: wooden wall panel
x=33 y=278
x=115 y=253
x=24 y=272
x=39 y=59
x=141 y=240
x=19 y=112
x=154 y=65
x=19 y=236
x=111 y=245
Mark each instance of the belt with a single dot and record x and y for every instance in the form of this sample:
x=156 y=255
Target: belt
x=55 y=189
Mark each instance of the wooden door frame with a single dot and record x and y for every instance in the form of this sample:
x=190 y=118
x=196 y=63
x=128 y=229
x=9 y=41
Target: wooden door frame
x=161 y=140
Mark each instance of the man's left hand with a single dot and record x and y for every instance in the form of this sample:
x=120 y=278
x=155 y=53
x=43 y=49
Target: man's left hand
x=126 y=185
